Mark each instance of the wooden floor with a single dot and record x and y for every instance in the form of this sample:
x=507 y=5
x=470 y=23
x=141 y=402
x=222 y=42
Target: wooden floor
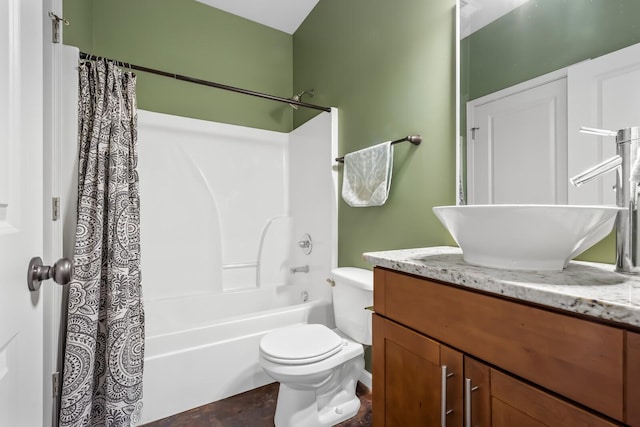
x=255 y=408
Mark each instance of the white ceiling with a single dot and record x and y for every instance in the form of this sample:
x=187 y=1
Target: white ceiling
x=475 y=14
x=287 y=15
x=283 y=15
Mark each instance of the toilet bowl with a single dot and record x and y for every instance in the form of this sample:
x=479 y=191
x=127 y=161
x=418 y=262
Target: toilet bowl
x=318 y=368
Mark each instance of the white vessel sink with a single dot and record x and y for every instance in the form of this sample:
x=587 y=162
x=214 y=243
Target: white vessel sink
x=526 y=237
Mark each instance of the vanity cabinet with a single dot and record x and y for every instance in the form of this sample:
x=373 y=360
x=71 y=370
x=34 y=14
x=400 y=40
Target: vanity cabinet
x=517 y=364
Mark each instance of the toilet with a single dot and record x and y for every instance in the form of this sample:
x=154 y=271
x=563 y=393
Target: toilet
x=318 y=368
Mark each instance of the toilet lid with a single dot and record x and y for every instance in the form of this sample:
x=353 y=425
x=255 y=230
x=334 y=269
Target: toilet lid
x=301 y=344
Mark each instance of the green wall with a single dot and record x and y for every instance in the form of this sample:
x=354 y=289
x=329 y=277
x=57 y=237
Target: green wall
x=389 y=67
x=190 y=38
x=79 y=33
x=543 y=36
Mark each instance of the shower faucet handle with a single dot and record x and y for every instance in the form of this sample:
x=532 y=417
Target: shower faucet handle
x=306 y=244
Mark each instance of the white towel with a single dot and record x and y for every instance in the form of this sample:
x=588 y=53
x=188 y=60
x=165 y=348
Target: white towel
x=367 y=176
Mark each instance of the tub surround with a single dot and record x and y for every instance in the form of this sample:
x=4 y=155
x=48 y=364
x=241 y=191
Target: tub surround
x=585 y=288
x=238 y=238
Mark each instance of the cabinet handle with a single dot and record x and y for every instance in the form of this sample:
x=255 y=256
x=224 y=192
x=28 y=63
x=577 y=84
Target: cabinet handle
x=467 y=401
x=443 y=401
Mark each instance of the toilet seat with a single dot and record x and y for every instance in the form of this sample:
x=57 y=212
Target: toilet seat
x=299 y=345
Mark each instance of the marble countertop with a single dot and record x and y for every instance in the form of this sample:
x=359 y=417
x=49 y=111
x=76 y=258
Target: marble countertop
x=586 y=288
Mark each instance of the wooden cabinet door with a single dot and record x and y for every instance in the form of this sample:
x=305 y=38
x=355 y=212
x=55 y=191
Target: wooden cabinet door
x=477 y=393
x=495 y=399
x=411 y=386
x=632 y=380
x=514 y=403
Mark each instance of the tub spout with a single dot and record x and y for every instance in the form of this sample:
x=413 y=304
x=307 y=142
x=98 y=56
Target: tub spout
x=301 y=269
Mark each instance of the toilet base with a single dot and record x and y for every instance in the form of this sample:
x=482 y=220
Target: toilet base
x=327 y=406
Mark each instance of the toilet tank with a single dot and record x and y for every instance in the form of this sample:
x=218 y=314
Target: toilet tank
x=353 y=291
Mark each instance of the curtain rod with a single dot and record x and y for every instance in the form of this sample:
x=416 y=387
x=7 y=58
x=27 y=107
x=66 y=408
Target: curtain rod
x=87 y=56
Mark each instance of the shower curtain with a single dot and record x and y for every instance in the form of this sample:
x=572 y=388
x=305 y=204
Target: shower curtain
x=104 y=349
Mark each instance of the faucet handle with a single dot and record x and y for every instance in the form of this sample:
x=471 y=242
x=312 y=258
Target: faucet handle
x=596 y=131
x=306 y=244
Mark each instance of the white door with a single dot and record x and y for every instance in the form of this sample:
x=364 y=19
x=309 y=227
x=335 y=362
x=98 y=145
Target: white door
x=517 y=145
x=20 y=211
x=602 y=93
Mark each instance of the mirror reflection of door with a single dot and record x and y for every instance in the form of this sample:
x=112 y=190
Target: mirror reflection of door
x=602 y=93
x=510 y=42
x=516 y=150
x=524 y=141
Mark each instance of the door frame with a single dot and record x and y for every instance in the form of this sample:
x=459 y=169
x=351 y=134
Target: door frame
x=52 y=229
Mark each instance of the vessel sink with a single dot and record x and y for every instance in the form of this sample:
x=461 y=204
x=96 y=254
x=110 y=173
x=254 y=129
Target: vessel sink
x=526 y=237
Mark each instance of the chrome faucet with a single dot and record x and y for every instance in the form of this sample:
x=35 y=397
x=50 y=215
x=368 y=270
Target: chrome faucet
x=626 y=193
x=301 y=269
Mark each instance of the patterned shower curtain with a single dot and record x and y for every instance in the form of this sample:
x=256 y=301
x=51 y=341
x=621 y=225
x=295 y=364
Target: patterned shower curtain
x=102 y=377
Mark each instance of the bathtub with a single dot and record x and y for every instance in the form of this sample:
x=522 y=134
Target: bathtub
x=194 y=358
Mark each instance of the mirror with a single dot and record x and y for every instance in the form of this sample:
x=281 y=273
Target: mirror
x=506 y=42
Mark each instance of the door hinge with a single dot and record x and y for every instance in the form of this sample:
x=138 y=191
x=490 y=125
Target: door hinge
x=55 y=208
x=55 y=383
x=55 y=26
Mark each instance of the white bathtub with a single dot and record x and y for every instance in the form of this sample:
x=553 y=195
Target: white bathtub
x=192 y=364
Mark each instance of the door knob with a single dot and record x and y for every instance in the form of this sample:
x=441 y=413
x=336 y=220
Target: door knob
x=61 y=272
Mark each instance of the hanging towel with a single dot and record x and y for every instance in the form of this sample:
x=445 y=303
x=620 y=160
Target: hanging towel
x=367 y=176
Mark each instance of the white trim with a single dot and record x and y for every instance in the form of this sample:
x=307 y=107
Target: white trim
x=53 y=110
x=520 y=87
